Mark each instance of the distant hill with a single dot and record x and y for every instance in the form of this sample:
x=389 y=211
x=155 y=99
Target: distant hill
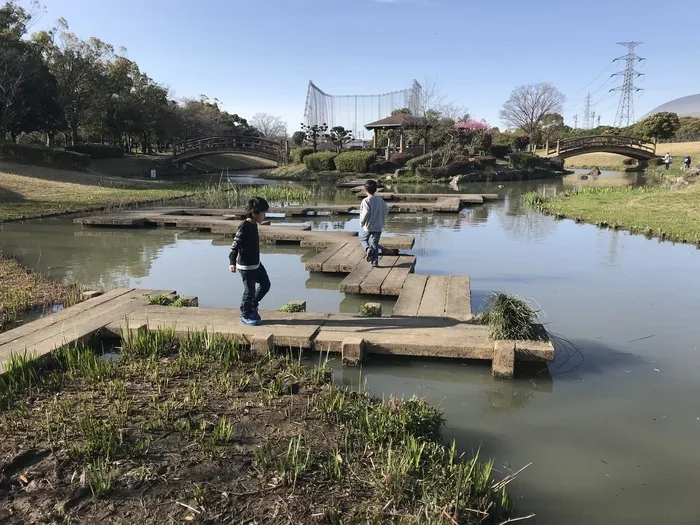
x=685 y=107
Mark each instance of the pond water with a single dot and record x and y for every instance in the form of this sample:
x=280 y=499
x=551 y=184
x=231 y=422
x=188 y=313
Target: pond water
x=612 y=427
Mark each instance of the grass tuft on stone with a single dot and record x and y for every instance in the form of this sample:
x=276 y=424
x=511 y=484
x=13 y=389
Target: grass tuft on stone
x=511 y=318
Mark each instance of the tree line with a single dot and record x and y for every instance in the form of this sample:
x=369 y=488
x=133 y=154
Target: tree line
x=59 y=90
x=534 y=111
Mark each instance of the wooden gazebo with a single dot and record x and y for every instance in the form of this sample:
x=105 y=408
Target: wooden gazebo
x=399 y=122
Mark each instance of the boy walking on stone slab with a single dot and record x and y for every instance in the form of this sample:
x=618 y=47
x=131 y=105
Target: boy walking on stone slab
x=244 y=257
x=373 y=211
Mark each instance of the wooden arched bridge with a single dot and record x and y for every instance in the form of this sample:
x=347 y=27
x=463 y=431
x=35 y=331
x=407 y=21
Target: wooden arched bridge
x=629 y=147
x=256 y=146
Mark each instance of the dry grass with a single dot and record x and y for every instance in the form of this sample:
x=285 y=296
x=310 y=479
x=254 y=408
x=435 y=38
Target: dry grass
x=22 y=290
x=32 y=191
x=233 y=162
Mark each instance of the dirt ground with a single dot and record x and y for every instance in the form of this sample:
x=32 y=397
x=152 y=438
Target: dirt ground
x=200 y=431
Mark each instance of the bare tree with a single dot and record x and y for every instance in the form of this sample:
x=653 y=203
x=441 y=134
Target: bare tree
x=435 y=111
x=269 y=126
x=528 y=105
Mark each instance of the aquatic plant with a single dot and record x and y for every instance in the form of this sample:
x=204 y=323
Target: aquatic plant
x=533 y=199
x=227 y=195
x=510 y=317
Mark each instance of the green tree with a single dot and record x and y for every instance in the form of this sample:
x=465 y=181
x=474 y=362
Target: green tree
x=28 y=97
x=339 y=136
x=661 y=126
x=79 y=67
x=298 y=138
x=314 y=134
x=689 y=128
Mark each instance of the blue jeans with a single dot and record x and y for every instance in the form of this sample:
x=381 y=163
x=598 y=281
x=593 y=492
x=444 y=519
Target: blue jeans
x=371 y=240
x=251 y=296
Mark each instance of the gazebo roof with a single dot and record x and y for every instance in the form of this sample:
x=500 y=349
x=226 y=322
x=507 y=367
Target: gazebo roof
x=400 y=120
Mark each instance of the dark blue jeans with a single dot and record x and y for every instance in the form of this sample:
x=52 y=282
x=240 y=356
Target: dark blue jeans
x=251 y=296
x=371 y=240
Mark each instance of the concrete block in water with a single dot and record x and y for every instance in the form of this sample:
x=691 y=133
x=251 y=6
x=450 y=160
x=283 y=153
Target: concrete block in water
x=503 y=359
x=262 y=344
x=353 y=349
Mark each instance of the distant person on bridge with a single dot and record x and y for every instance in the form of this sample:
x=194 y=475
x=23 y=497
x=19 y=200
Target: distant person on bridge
x=244 y=257
x=667 y=160
x=373 y=211
x=686 y=162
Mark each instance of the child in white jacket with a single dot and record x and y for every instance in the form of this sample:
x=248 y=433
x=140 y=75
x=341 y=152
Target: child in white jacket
x=373 y=211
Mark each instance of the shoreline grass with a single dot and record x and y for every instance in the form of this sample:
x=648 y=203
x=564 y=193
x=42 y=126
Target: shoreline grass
x=23 y=291
x=216 y=433
x=662 y=212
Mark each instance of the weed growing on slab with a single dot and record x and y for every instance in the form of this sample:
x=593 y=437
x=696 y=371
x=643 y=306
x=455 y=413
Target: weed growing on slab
x=293 y=307
x=220 y=434
x=510 y=317
x=160 y=300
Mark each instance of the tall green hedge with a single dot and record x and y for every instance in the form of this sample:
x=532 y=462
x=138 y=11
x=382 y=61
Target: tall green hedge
x=42 y=155
x=357 y=161
x=524 y=161
x=298 y=154
x=322 y=161
x=98 y=151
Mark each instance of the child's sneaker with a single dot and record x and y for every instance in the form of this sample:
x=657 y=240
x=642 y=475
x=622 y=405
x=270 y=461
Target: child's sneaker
x=375 y=264
x=368 y=256
x=251 y=320
x=256 y=315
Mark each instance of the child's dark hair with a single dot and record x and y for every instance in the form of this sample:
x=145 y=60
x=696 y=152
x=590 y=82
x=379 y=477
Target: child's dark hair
x=371 y=186
x=256 y=205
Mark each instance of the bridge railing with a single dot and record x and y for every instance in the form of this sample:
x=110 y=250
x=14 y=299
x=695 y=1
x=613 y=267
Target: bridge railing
x=567 y=145
x=236 y=142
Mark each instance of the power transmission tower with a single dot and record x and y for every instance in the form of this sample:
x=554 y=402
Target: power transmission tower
x=575 y=121
x=587 y=120
x=625 y=109
x=593 y=118
x=598 y=120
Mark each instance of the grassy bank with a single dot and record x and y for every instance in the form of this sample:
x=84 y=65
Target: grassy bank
x=655 y=211
x=32 y=191
x=202 y=430
x=299 y=172
x=22 y=291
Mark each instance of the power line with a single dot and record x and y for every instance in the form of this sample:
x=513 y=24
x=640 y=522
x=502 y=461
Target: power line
x=625 y=109
x=592 y=81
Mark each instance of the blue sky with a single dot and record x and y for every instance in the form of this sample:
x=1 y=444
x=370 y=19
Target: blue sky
x=259 y=55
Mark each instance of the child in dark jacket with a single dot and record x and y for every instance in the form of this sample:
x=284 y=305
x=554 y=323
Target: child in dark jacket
x=245 y=258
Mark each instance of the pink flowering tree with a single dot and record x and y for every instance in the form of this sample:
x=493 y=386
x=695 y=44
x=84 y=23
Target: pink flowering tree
x=474 y=134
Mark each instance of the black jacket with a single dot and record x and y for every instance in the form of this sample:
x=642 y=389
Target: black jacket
x=245 y=249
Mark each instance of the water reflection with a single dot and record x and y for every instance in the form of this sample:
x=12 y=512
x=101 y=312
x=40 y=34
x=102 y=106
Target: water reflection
x=448 y=384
